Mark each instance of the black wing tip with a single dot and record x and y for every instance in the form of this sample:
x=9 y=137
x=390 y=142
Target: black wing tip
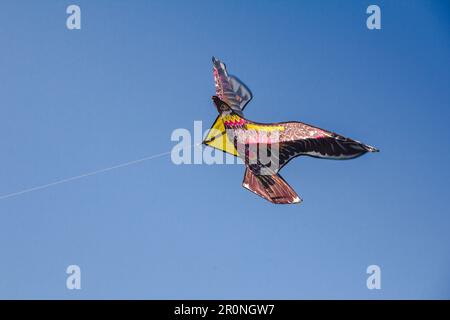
x=218 y=63
x=372 y=149
x=215 y=60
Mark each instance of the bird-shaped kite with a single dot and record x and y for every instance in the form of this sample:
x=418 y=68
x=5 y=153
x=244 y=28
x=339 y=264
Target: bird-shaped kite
x=265 y=148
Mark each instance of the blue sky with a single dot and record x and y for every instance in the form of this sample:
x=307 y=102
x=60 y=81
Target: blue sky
x=76 y=101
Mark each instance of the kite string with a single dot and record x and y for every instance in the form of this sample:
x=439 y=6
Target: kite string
x=88 y=174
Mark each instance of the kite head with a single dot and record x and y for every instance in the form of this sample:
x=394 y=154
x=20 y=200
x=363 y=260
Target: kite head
x=221 y=106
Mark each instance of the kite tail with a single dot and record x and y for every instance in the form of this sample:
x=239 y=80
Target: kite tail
x=271 y=187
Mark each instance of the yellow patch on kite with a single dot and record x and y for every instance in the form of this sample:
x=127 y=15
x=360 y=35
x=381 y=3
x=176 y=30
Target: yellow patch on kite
x=218 y=138
x=267 y=128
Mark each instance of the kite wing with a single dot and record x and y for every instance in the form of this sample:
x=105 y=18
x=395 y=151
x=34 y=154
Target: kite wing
x=229 y=88
x=298 y=138
x=236 y=94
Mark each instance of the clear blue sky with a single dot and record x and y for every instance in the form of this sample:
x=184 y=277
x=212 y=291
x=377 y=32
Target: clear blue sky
x=77 y=101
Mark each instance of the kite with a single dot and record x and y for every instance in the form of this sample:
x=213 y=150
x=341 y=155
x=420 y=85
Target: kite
x=266 y=148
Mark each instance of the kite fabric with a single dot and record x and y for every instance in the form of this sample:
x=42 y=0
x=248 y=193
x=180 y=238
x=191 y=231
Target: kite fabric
x=266 y=148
